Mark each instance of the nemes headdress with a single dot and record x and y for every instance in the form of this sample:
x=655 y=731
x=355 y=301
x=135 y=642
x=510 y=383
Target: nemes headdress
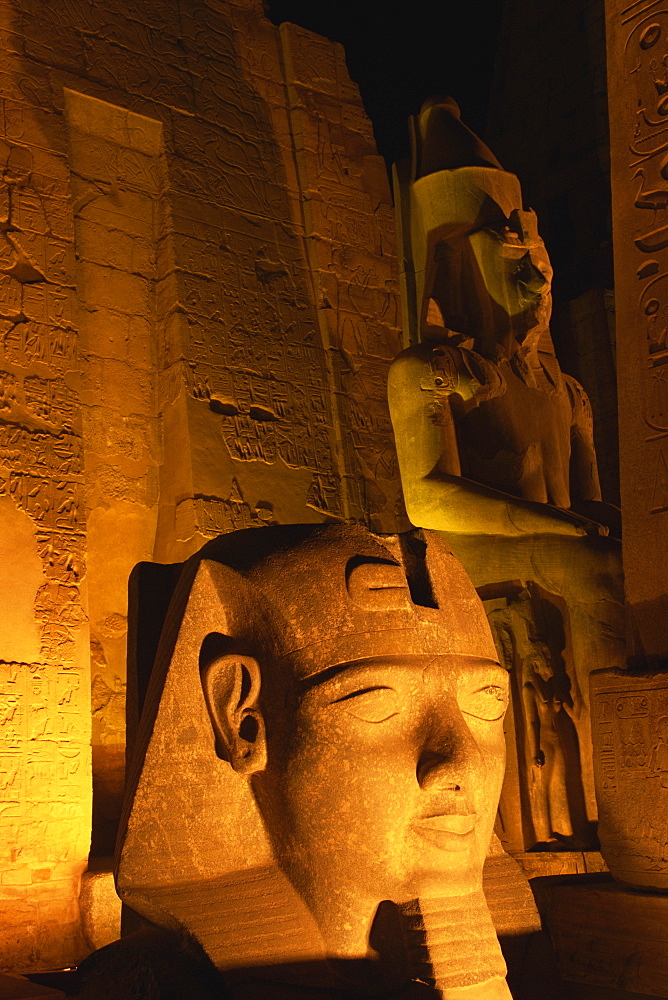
x=326 y=594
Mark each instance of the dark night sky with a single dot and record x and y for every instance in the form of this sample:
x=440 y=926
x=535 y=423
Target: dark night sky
x=400 y=53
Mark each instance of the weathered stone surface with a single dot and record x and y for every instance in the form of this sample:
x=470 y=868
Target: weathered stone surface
x=547 y=707
x=20 y=988
x=347 y=214
x=170 y=366
x=346 y=734
x=606 y=936
x=44 y=673
x=636 y=45
x=576 y=616
x=100 y=908
x=536 y=864
x=630 y=733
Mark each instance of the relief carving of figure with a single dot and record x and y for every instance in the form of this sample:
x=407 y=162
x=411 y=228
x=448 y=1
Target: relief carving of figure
x=545 y=788
x=543 y=704
x=659 y=760
x=322 y=754
x=492 y=436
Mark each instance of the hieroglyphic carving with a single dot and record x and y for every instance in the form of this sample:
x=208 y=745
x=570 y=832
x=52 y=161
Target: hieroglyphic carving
x=212 y=516
x=168 y=163
x=116 y=175
x=631 y=767
x=44 y=706
x=39 y=443
x=44 y=769
x=234 y=295
x=270 y=411
x=347 y=215
x=637 y=52
x=271 y=394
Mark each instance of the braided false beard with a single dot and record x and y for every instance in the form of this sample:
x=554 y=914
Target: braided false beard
x=452 y=946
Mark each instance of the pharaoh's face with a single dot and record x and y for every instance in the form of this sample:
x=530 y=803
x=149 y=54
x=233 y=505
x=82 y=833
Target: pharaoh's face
x=516 y=270
x=386 y=783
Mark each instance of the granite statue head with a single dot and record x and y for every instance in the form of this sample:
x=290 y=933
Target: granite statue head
x=339 y=704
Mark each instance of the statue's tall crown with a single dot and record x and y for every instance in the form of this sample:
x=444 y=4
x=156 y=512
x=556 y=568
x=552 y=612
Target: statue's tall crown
x=443 y=142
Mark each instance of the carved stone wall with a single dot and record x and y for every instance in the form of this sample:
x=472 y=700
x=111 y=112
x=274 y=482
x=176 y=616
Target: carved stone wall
x=198 y=308
x=44 y=674
x=115 y=165
x=638 y=46
x=349 y=228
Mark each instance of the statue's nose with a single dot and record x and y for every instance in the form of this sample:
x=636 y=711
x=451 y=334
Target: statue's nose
x=538 y=274
x=450 y=759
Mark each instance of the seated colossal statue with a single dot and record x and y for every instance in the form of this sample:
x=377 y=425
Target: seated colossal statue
x=492 y=437
x=316 y=777
x=495 y=447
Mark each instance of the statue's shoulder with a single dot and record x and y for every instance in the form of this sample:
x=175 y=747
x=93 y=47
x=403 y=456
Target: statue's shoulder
x=152 y=964
x=443 y=367
x=412 y=359
x=427 y=351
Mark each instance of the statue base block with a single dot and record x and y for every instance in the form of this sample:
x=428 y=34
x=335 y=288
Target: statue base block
x=20 y=988
x=582 y=991
x=610 y=941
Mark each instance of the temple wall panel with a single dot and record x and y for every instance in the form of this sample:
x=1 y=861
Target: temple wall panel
x=197 y=312
x=637 y=44
x=45 y=722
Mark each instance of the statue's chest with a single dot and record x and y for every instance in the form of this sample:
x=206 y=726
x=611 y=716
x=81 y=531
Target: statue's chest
x=519 y=442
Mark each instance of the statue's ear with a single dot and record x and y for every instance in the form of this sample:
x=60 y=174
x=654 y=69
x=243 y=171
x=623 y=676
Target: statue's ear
x=231 y=683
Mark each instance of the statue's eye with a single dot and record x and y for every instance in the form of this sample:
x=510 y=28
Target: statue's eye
x=377 y=704
x=488 y=703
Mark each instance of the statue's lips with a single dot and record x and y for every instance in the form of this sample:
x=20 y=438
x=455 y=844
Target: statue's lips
x=451 y=832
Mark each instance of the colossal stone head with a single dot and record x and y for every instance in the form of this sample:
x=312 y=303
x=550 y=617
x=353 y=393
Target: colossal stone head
x=323 y=740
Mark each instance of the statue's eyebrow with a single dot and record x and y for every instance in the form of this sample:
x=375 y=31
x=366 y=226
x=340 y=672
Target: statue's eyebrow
x=315 y=680
x=308 y=683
